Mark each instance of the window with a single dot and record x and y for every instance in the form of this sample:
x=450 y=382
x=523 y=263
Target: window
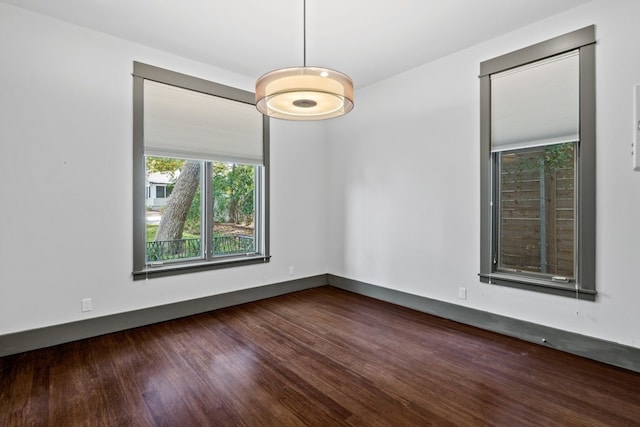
x=162 y=191
x=209 y=146
x=538 y=167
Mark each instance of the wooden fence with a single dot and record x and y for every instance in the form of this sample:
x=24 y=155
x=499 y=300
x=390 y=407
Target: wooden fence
x=537 y=213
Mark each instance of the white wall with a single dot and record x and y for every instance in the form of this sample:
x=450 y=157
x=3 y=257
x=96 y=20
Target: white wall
x=404 y=186
x=65 y=132
x=65 y=125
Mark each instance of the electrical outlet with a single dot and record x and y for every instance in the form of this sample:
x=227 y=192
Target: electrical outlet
x=291 y=270
x=462 y=293
x=87 y=304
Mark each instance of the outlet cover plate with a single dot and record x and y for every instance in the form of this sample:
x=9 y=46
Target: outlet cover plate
x=87 y=304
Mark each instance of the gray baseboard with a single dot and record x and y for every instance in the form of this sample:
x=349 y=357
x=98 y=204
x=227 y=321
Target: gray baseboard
x=592 y=348
x=581 y=345
x=58 y=334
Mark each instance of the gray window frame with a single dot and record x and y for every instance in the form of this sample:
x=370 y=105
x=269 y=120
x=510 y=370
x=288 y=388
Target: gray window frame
x=584 y=286
x=142 y=270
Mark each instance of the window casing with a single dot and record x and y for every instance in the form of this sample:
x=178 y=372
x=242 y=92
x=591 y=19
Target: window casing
x=210 y=136
x=538 y=167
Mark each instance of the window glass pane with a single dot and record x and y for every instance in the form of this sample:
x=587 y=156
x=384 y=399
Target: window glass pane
x=234 y=208
x=537 y=218
x=174 y=224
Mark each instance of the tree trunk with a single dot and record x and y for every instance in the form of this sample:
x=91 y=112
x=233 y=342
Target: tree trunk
x=172 y=223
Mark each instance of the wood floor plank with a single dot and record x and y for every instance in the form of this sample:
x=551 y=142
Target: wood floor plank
x=319 y=357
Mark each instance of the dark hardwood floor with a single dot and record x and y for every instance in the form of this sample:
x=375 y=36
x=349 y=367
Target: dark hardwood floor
x=319 y=357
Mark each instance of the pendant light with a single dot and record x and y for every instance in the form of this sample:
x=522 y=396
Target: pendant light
x=304 y=93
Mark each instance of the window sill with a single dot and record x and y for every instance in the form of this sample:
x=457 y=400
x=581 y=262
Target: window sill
x=173 y=269
x=538 y=285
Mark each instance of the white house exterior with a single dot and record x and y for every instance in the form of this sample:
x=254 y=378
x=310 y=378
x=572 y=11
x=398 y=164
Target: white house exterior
x=157 y=189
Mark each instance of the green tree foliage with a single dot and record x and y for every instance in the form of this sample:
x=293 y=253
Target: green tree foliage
x=233 y=192
x=163 y=164
x=559 y=156
x=554 y=157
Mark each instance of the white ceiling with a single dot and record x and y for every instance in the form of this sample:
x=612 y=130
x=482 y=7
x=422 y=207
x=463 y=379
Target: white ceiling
x=367 y=39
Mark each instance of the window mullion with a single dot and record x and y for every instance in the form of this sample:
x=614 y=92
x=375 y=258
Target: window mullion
x=496 y=229
x=543 y=217
x=207 y=233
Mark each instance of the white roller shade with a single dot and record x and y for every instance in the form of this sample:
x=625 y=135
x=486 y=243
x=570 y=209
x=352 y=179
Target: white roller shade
x=536 y=104
x=192 y=125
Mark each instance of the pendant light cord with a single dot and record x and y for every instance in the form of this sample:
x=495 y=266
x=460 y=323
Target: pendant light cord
x=304 y=33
